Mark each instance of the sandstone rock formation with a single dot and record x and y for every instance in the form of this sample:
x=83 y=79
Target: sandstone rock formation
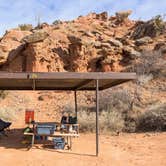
x=90 y=43
x=38 y=36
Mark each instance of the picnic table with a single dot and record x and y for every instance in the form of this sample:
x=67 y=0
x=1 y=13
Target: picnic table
x=66 y=135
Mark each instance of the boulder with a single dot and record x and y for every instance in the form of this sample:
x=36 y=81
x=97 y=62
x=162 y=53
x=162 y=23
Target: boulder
x=159 y=45
x=74 y=39
x=144 y=40
x=96 y=32
x=130 y=52
x=3 y=57
x=122 y=15
x=108 y=60
x=37 y=36
x=102 y=16
x=105 y=44
x=44 y=25
x=44 y=97
x=88 y=33
x=163 y=50
x=97 y=44
x=115 y=43
x=4 y=47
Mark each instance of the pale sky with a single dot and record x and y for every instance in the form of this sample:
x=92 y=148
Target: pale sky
x=14 y=12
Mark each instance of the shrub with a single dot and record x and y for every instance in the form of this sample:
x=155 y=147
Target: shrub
x=86 y=121
x=3 y=94
x=116 y=109
x=111 y=121
x=118 y=99
x=153 y=119
x=56 y=22
x=119 y=112
x=114 y=121
x=25 y=27
x=152 y=28
x=143 y=79
x=7 y=114
x=108 y=121
x=160 y=24
x=150 y=62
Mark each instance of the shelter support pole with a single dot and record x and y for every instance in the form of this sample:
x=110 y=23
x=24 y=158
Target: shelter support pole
x=97 y=117
x=34 y=84
x=76 y=108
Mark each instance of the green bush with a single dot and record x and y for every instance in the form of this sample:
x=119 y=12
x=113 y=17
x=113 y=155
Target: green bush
x=25 y=27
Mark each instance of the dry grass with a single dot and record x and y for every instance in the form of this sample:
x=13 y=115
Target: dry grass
x=25 y=27
x=120 y=112
x=108 y=121
x=115 y=107
x=151 y=62
x=154 y=119
x=7 y=114
x=3 y=94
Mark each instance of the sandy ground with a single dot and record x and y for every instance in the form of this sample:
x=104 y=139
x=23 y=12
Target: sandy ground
x=124 y=150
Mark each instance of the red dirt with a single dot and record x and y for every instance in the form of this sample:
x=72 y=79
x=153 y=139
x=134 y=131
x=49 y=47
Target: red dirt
x=124 y=150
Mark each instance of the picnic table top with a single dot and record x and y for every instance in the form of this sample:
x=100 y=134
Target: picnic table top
x=57 y=123
x=56 y=134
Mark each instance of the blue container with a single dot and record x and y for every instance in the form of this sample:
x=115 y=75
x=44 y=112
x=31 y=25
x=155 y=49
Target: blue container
x=45 y=129
x=59 y=143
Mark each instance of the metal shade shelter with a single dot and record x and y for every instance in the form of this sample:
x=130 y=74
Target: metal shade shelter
x=67 y=81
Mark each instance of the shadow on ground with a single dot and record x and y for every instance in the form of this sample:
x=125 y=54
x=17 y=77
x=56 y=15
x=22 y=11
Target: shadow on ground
x=14 y=139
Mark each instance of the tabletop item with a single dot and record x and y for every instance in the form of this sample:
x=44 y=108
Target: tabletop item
x=45 y=128
x=29 y=116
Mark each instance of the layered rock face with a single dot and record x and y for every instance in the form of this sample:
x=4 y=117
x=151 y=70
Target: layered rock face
x=96 y=42
x=81 y=45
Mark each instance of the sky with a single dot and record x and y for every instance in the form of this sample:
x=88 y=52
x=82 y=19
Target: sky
x=15 y=12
